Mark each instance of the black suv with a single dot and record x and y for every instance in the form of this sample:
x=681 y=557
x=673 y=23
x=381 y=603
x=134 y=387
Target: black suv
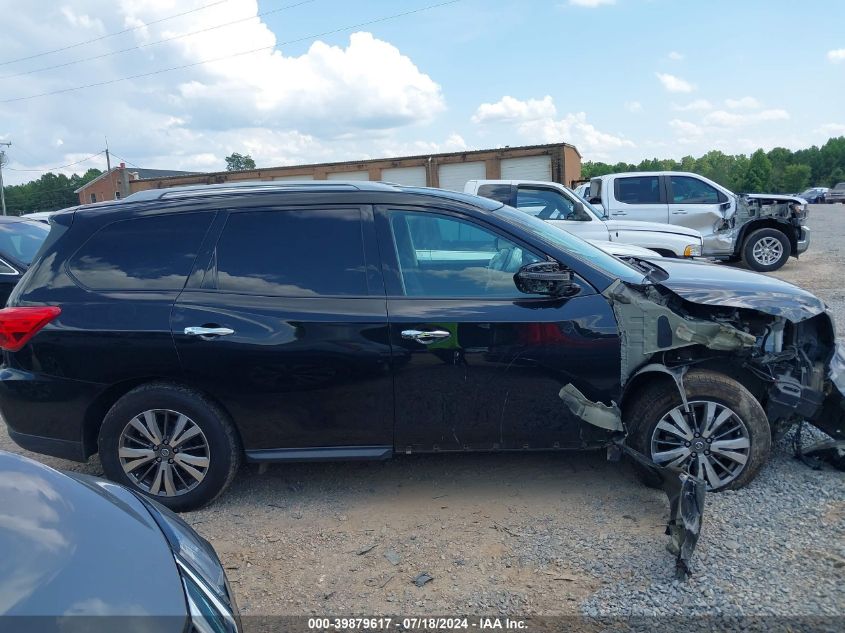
x=179 y=331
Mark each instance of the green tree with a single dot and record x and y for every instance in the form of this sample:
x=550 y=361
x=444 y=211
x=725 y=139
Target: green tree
x=795 y=178
x=239 y=162
x=50 y=192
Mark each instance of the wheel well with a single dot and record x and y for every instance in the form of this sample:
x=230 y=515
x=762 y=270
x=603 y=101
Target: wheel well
x=665 y=252
x=97 y=410
x=725 y=366
x=749 y=228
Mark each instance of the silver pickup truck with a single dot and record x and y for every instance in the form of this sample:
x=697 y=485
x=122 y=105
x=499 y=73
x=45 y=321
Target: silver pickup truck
x=763 y=230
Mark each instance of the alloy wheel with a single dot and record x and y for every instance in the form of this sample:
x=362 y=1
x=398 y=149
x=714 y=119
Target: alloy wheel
x=767 y=251
x=164 y=452
x=711 y=443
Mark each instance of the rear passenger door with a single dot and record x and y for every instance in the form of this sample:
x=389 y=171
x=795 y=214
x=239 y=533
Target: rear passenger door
x=640 y=198
x=293 y=332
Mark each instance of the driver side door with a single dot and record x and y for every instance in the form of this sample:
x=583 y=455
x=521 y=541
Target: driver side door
x=478 y=365
x=552 y=206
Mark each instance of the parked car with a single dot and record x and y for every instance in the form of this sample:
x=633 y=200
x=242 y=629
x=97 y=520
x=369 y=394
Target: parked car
x=560 y=207
x=582 y=190
x=763 y=230
x=617 y=249
x=19 y=241
x=77 y=548
x=179 y=331
x=836 y=194
x=39 y=216
x=814 y=195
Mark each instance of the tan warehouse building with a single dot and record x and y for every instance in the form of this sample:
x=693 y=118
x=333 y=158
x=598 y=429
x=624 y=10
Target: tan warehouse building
x=558 y=162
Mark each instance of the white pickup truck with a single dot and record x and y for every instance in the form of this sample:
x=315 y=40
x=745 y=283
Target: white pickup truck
x=558 y=205
x=761 y=229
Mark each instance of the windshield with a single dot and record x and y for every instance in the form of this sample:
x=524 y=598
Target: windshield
x=21 y=240
x=575 y=246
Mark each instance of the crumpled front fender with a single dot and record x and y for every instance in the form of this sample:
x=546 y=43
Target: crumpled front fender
x=686 y=508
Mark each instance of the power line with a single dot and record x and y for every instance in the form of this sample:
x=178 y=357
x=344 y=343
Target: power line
x=123 y=160
x=108 y=35
x=44 y=171
x=217 y=59
x=162 y=41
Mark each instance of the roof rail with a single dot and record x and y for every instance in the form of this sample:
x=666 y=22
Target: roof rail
x=255 y=186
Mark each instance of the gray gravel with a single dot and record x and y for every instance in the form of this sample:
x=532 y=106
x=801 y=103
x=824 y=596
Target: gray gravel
x=534 y=535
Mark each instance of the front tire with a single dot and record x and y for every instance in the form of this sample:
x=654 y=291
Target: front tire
x=170 y=443
x=725 y=443
x=766 y=250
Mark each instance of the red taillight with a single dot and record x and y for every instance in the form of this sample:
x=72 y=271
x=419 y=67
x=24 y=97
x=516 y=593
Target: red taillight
x=18 y=325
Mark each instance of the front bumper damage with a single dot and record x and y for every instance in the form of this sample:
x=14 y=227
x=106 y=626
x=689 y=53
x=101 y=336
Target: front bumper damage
x=686 y=508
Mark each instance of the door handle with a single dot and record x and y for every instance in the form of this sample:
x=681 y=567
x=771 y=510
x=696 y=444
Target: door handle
x=679 y=212
x=619 y=213
x=426 y=338
x=208 y=332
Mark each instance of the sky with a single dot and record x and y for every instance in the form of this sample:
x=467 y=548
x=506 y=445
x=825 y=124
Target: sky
x=303 y=81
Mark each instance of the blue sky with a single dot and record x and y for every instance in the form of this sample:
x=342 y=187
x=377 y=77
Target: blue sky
x=622 y=80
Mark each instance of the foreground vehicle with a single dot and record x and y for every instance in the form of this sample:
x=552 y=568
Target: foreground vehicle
x=79 y=546
x=763 y=230
x=19 y=241
x=559 y=206
x=180 y=330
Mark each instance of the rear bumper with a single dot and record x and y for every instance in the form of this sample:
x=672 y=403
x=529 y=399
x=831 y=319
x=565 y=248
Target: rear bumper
x=45 y=414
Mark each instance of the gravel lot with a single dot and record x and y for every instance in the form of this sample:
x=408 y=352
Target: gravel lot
x=532 y=535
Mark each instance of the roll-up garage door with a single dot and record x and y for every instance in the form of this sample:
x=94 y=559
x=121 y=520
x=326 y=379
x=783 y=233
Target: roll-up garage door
x=408 y=176
x=454 y=176
x=527 y=168
x=348 y=175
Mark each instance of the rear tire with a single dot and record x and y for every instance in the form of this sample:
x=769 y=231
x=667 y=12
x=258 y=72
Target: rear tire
x=725 y=396
x=766 y=250
x=170 y=443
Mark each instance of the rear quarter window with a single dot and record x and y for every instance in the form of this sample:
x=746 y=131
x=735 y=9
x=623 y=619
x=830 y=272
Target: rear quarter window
x=148 y=253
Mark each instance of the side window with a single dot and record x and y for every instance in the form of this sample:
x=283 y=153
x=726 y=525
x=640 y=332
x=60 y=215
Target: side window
x=637 y=189
x=293 y=253
x=499 y=192
x=546 y=204
x=6 y=269
x=443 y=256
x=693 y=191
x=149 y=253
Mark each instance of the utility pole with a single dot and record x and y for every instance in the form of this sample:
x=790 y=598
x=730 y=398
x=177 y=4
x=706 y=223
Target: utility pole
x=2 y=188
x=108 y=159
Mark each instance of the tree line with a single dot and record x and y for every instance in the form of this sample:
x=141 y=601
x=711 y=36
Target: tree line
x=50 y=192
x=777 y=171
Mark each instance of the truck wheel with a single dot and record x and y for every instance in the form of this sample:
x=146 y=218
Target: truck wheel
x=170 y=443
x=725 y=443
x=766 y=250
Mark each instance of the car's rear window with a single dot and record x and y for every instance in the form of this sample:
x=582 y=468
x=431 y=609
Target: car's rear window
x=147 y=253
x=21 y=240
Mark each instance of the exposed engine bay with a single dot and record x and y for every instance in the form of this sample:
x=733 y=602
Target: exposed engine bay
x=762 y=206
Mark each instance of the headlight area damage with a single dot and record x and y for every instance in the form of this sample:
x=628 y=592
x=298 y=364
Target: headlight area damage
x=783 y=351
x=760 y=207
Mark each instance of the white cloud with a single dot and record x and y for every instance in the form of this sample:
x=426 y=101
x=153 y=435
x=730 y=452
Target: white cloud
x=686 y=128
x=723 y=118
x=633 y=106
x=344 y=101
x=590 y=4
x=836 y=55
x=536 y=121
x=509 y=109
x=676 y=56
x=692 y=106
x=831 y=129
x=674 y=84
x=743 y=103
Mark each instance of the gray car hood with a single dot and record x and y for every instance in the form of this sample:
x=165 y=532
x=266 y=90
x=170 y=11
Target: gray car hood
x=81 y=548
x=720 y=285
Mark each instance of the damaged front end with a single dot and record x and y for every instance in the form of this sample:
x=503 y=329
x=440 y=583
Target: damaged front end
x=773 y=338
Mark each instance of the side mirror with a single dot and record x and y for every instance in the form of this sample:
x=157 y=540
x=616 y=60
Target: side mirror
x=579 y=212
x=546 y=278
